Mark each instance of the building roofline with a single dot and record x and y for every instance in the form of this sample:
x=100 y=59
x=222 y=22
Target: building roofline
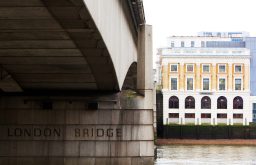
x=198 y=37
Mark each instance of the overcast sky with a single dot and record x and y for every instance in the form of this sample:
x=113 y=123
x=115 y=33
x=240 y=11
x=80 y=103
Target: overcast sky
x=187 y=17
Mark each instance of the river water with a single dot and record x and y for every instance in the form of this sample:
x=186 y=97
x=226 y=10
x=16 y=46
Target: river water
x=206 y=155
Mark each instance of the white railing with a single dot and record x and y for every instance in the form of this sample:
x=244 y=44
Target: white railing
x=173 y=120
x=189 y=120
x=222 y=121
x=236 y=121
x=206 y=51
x=205 y=120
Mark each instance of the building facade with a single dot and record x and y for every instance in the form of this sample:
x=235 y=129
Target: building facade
x=205 y=84
x=253 y=102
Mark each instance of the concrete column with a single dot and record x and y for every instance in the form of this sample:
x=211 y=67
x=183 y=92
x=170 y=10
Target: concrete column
x=246 y=78
x=198 y=77
x=214 y=88
x=145 y=65
x=154 y=107
x=181 y=81
x=165 y=78
x=230 y=77
x=182 y=118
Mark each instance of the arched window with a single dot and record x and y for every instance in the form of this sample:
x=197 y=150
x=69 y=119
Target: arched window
x=206 y=102
x=173 y=102
x=190 y=102
x=238 y=103
x=222 y=102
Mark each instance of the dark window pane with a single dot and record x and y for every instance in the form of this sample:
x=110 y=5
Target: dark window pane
x=189 y=115
x=173 y=115
x=237 y=116
x=222 y=115
x=205 y=115
x=206 y=102
x=206 y=84
x=238 y=84
x=189 y=83
x=173 y=102
x=173 y=83
x=190 y=102
x=222 y=84
x=222 y=102
x=238 y=103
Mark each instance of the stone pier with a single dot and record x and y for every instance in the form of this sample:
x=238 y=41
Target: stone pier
x=66 y=131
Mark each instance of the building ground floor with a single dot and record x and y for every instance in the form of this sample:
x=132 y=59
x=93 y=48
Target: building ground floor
x=212 y=108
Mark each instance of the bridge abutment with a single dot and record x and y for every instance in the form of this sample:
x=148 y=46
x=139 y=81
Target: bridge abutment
x=68 y=130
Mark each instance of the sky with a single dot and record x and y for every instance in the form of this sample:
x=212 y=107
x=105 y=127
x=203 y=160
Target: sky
x=187 y=17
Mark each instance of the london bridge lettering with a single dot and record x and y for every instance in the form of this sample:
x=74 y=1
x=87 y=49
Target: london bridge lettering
x=52 y=132
x=34 y=132
x=99 y=132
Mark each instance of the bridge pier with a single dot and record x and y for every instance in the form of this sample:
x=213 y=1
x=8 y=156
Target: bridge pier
x=58 y=60
x=64 y=130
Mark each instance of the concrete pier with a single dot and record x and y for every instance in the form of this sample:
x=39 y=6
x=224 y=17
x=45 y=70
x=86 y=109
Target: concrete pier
x=64 y=67
x=71 y=134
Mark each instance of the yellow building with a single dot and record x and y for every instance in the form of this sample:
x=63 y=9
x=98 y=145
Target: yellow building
x=206 y=85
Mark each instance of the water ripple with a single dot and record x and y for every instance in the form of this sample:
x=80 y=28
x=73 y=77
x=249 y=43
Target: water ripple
x=206 y=155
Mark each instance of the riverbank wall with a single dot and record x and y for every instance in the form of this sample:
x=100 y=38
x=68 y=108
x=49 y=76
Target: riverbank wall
x=207 y=132
x=242 y=142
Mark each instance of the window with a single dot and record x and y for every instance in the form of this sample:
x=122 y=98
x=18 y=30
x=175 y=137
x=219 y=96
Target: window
x=173 y=102
x=174 y=84
x=172 y=44
x=238 y=84
x=190 y=102
x=173 y=115
x=189 y=83
x=202 y=44
x=205 y=115
x=206 y=102
x=208 y=33
x=182 y=44
x=222 y=102
x=254 y=106
x=206 y=84
x=174 y=68
x=222 y=84
x=238 y=69
x=190 y=67
x=237 y=116
x=222 y=68
x=221 y=115
x=206 y=68
x=189 y=115
x=192 y=44
x=238 y=103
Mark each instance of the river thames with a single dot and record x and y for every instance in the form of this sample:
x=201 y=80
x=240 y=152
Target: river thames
x=206 y=155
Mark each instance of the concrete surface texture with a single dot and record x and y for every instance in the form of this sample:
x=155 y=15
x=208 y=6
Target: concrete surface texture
x=69 y=133
x=66 y=45
x=74 y=47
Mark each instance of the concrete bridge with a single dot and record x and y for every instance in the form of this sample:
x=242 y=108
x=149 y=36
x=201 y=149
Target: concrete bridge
x=75 y=83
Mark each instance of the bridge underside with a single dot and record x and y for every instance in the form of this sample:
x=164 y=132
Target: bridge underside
x=63 y=66
x=52 y=44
